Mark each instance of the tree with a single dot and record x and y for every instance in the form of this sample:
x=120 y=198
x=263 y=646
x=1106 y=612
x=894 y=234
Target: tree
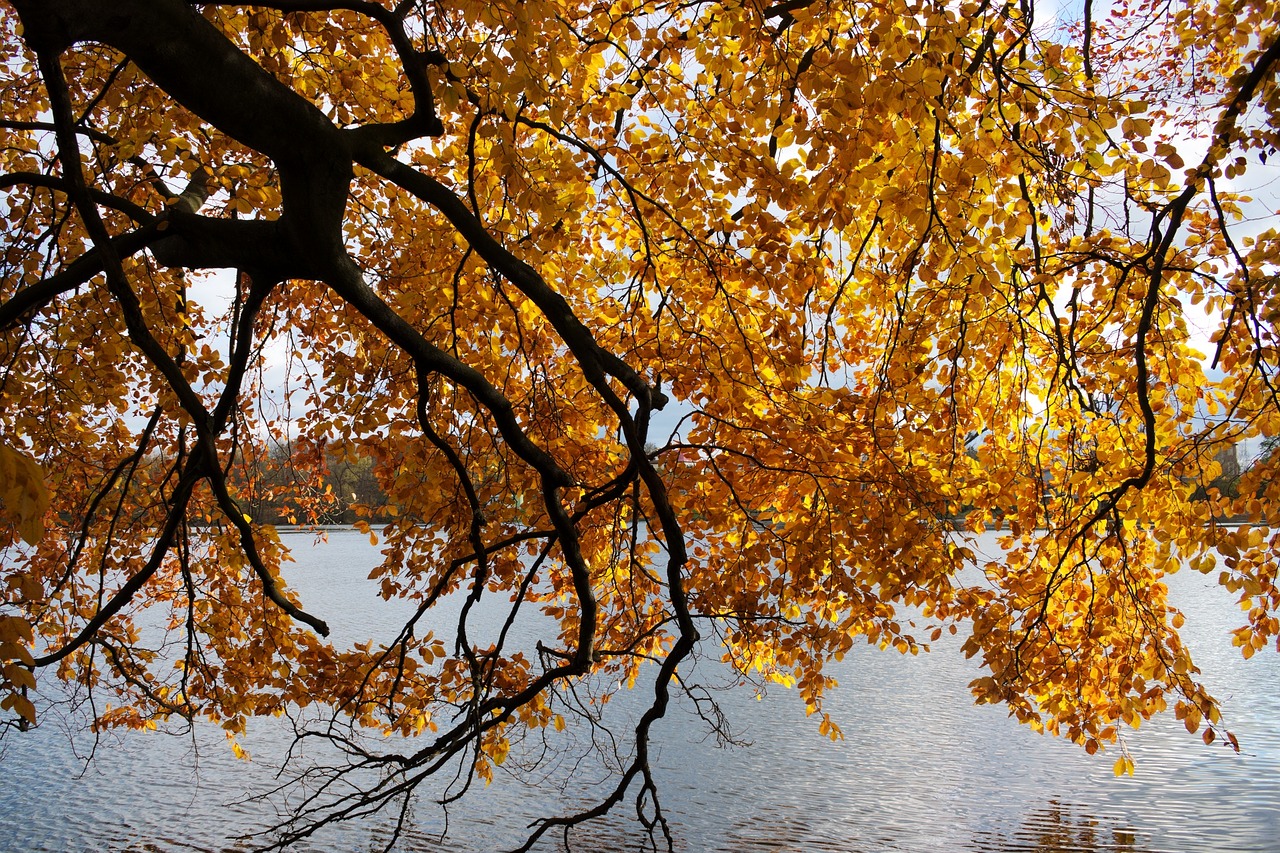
x=844 y=242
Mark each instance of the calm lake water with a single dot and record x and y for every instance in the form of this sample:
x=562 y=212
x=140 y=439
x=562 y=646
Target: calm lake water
x=921 y=769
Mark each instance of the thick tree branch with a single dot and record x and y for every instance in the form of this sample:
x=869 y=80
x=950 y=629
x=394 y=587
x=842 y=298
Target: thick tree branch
x=34 y=179
x=36 y=296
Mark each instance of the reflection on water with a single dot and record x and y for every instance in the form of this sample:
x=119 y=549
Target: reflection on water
x=1060 y=828
x=922 y=769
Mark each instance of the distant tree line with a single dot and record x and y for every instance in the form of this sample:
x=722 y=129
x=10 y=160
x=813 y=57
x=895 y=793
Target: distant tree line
x=345 y=488
x=283 y=490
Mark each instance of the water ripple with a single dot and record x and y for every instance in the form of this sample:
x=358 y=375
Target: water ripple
x=922 y=769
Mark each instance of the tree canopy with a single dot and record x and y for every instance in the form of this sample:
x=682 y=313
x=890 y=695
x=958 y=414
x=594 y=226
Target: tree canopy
x=892 y=272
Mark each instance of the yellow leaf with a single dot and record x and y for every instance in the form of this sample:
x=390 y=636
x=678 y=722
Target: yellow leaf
x=19 y=675
x=21 y=705
x=24 y=498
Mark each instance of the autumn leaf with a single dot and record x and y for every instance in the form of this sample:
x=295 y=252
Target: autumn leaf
x=24 y=498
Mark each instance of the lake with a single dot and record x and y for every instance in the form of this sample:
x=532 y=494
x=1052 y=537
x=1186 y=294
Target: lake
x=922 y=768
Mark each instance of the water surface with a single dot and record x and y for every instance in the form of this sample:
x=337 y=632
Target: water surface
x=922 y=768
